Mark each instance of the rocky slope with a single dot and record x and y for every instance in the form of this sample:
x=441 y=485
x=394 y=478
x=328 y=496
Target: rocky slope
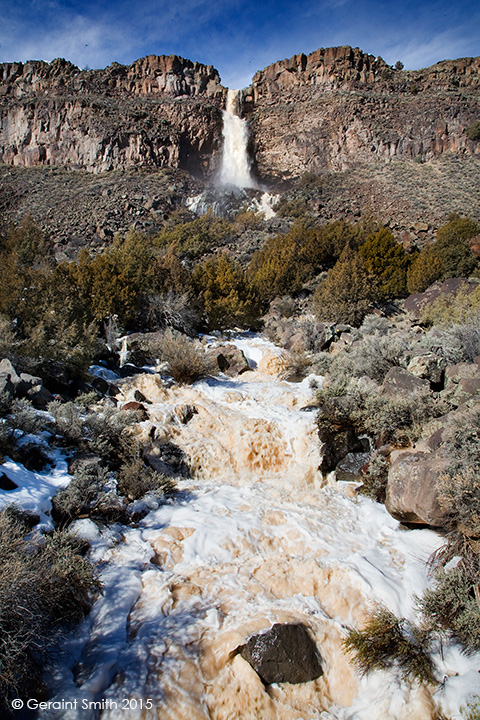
x=339 y=107
x=159 y=111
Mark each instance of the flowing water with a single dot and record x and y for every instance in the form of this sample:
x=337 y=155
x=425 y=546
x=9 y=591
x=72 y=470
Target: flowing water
x=256 y=538
x=235 y=168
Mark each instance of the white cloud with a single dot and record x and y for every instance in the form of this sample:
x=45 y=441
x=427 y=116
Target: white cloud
x=420 y=52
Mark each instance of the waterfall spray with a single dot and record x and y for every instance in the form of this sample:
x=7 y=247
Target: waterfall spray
x=235 y=169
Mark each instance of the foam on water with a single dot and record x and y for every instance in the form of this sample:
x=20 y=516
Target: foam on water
x=256 y=539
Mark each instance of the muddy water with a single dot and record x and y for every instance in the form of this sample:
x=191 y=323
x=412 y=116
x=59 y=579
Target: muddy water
x=256 y=538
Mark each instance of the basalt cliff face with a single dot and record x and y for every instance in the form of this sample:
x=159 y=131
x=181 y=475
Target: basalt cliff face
x=374 y=139
x=324 y=112
x=339 y=107
x=157 y=112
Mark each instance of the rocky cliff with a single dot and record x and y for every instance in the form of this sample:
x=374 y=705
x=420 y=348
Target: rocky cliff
x=159 y=111
x=339 y=107
x=376 y=139
x=323 y=112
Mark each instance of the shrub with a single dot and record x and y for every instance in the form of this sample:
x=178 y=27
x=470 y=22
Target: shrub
x=25 y=417
x=175 y=310
x=105 y=430
x=472 y=131
x=374 y=325
x=461 y=309
x=6 y=338
x=69 y=420
x=425 y=269
x=372 y=356
x=135 y=480
x=395 y=418
x=193 y=239
x=452 y=606
x=387 y=642
x=228 y=299
x=374 y=479
x=186 y=359
x=7 y=440
x=45 y=586
x=453 y=249
x=81 y=495
x=297 y=364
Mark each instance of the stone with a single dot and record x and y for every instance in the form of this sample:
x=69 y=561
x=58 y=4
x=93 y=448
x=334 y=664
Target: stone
x=7 y=484
x=412 y=488
x=284 y=653
x=168 y=459
x=7 y=369
x=230 y=360
x=337 y=433
x=134 y=406
x=428 y=367
x=416 y=303
x=398 y=379
x=84 y=462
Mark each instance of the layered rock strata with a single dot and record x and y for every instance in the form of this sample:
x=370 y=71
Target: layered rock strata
x=339 y=107
x=158 y=112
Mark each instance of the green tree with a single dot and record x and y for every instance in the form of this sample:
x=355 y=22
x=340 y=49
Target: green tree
x=386 y=262
x=425 y=269
x=344 y=296
x=453 y=249
x=227 y=297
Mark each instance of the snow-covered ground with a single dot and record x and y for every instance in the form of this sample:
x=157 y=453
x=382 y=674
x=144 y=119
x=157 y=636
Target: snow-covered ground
x=255 y=538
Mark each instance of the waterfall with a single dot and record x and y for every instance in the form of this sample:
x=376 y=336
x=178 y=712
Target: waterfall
x=235 y=169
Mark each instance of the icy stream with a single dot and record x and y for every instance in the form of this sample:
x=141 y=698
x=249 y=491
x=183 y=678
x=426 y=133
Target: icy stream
x=254 y=539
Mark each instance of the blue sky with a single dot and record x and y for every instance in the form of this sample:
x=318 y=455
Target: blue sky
x=238 y=37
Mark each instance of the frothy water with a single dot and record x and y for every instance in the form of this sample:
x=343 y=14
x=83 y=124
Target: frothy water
x=235 y=168
x=255 y=539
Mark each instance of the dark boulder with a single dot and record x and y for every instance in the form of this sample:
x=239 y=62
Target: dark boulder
x=7 y=484
x=415 y=304
x=285 y=653
x=398 y=379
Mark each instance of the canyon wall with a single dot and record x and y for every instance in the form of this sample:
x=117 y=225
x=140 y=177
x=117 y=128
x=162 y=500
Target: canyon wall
x=326 y=112
x=338 y=107
x=159 y=111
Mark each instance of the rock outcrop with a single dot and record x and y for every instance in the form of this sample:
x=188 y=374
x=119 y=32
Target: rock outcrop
x=338 y=107
x=158 y=112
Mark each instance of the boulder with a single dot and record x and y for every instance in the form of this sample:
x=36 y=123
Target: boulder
x=8 y=377
x=462 y=382
x=428 y=367
x=84 y=461
x=32 y=388
x=7 y=484
x=284 y=653
x=337 y=433
x=412 y=488
x=168 y=459
x=230 y=360
x=399 y=379
x=134 y=406
x=23 y=385
x=415 y=304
